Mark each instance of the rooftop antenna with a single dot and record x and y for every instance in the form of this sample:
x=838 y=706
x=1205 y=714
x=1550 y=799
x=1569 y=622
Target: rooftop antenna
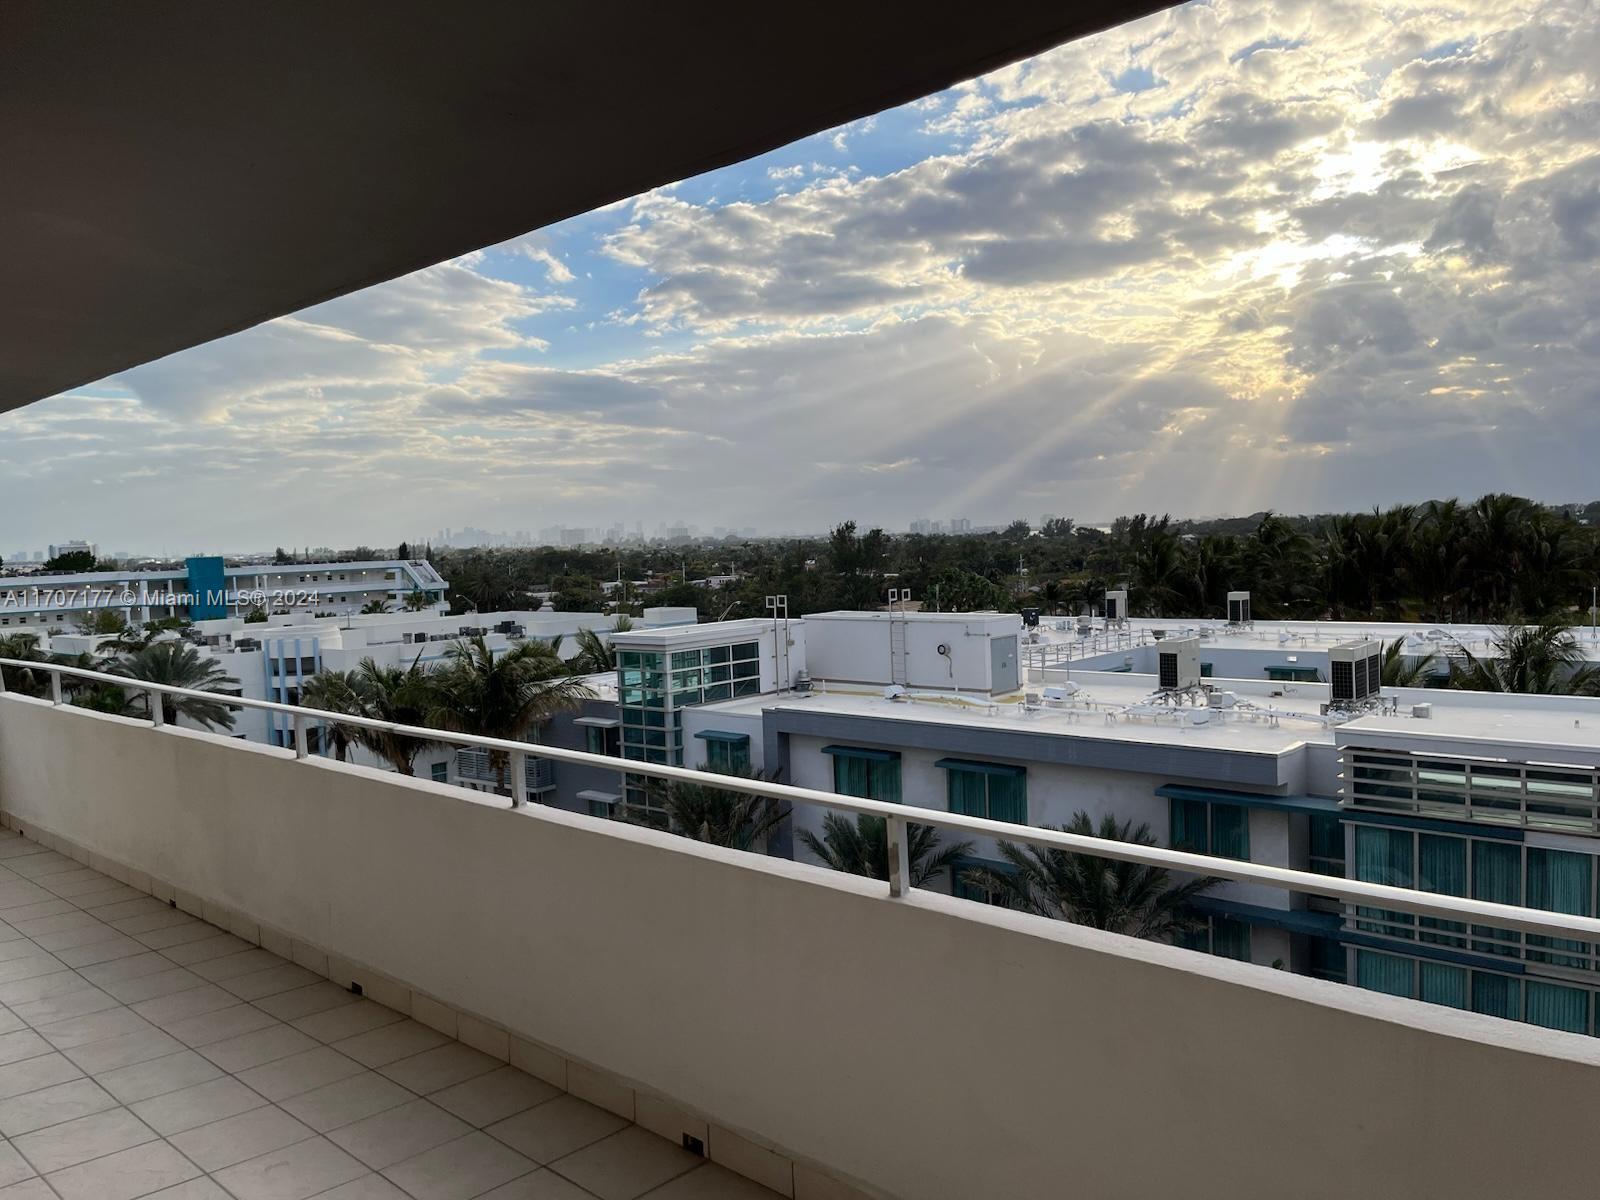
x=778 y=606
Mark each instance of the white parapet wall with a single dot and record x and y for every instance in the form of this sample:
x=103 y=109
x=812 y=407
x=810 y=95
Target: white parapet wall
x=926 y=1048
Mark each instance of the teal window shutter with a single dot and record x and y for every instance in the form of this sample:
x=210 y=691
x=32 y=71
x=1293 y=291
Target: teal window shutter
x=1387 y=973
x=967 y=792
x=1442 y=868
x=1559 y=881
x=1496 y=995
x=1444 y=984
x=1496 y=876
x=1557 y=1007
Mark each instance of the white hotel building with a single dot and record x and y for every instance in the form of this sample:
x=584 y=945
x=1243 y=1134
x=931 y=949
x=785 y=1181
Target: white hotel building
x=1473 y=794
x=206 y=588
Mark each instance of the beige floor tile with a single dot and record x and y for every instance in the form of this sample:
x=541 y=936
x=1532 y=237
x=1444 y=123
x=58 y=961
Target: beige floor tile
x=13 y=1167
x=179 y=933
x=196 y=1189
x=399 y=1134
x=80 y=935
x=31 y=967
x=158 y=1076
x=495 y=1096
x=144 y=906
x=235 y=1139
x=231 y=966
x=38 y=987
x=191 y=953
x=123 y=1051
x=35 y=927
x=201 y=1104
x=31 y=1074
x=93 y=1027
x=556 y=1128
x=21 y=947
x=20 y=1044
x=711 y=1182
x=164 y=1010
x=256 y=985
x=113 y=949
x=78 y=1003
x=131 y=967
x=300 y=1073
x=53 y=1105
x=380 y=1047
x=305 y=1001
x=253 y=1049
x=440 y=1067
x=155 y=985
x=144 y=921
x=46 y=906
x=219 y=1024
x=460 y=1170
x=124 y=1175
x=543 y=1184
x=347 y=1101
x=28 y=1189
x=10 y=1022
x=76 y=1141
x=308 y=1168
x=368 y=1187
x=626 y=1165
x=347 y=1021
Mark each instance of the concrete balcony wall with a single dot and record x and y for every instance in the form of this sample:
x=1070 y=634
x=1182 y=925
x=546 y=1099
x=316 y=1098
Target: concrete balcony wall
x=927 y=1048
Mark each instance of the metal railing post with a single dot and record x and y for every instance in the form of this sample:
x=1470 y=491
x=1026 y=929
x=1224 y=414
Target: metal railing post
x=899 y=857
x=158 y=713
x=300 y=750
x=519 y=779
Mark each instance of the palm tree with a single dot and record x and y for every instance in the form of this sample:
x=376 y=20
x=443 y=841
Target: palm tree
x=417 y=600
x=23 y=646
x=596 y=655
x=1397 y=672
x=372 y=607
x=737 y=820
x=505 y=696
x=336 y=692
x=401 y=696
x=179 y=665
x=861 y=847
x=1085 y=889
x=1528 y=658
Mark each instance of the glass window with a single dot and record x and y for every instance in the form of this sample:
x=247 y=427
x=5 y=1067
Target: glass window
x=1384 y=856
x=747 y=650
x=1230 y=938
x=1442 y=868
x=440 y=772
x=1189 y=826
x=1387 y=973
x=728 y=757
x=1443 y=984
x=1201 y=827
x=870 y=779
x=685 y=658
x=1496 y=995
x=1327 y=844
x=1562 y=882
x=1496 y=876
x=1328 y=959
x=1557 y=1007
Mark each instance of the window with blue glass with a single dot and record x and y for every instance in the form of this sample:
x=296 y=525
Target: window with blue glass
x=997 y=791
x=868 y=774
x=1202 y=827
x=1223 y=936
x=1326 y=851
x=726 y=752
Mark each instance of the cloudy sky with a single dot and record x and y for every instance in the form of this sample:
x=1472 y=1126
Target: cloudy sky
x=1307 y=255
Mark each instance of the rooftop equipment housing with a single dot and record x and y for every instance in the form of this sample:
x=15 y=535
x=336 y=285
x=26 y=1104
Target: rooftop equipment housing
x=1355 y=671
x=1117 y=605
x=1239 y=608
x=1178 y=664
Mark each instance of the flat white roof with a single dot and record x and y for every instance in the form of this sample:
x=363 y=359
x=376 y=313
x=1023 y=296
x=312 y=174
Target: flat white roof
x=710 y=633
x=1262 y=722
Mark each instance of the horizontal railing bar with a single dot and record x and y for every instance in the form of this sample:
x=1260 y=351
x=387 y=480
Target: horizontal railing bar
x=1351 y=891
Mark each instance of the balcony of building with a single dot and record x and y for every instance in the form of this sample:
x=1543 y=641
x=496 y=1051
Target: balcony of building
x=232 y=966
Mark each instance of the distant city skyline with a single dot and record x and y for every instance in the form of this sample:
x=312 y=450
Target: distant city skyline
x=1230 y=257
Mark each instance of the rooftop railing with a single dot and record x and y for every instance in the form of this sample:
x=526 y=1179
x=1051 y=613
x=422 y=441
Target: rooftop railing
x=898 y=817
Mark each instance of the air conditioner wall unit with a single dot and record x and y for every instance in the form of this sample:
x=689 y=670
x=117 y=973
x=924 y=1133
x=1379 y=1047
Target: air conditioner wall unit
x=1178 y=664
x=1355 y=671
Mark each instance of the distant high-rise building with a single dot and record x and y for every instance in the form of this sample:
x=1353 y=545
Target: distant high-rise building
x=960 y=525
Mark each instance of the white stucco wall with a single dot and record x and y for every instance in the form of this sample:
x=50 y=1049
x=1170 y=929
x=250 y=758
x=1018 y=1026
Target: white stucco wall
x=809 y=1009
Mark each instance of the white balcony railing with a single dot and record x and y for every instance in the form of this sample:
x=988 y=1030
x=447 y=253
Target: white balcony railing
x=897 y=816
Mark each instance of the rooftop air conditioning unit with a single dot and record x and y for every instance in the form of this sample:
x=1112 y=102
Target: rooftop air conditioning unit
x=1030 y=617
x=1178 y=664
x=1238 y=608
x=1117 y=606
x=1355 y=671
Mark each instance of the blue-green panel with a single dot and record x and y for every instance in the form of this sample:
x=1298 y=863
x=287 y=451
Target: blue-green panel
x=208 y=587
